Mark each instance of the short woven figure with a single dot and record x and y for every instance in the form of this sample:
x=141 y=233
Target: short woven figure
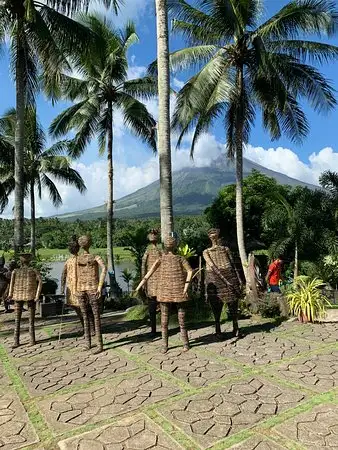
x=222 y=282
x=25 y=286
x=152 y=254
x=175 y=275
x=68 y=281
x=88 y=290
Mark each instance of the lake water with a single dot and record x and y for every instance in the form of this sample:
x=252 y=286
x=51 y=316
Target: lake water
x=57 y=268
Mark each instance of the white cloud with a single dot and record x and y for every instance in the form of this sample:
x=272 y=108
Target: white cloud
x=288 y=162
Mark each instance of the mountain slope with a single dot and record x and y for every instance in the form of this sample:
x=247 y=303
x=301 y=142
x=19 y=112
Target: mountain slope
x=194 y=188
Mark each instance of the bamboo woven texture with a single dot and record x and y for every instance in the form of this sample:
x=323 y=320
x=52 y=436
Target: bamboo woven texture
x=219 y=256
x=172 y=276
x=88 y=272
x=71 y=277
x=24 y=284
x=150 y=257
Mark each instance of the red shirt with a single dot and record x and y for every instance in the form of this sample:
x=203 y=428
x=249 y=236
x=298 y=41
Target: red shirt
x=275 y=270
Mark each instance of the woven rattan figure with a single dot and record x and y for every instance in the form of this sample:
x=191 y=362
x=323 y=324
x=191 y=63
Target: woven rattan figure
x=4 y=281
x=88 y=290
x=152 y=254
x=175 y=274
x=25 y=286
x=222 y=281
x=68 y=282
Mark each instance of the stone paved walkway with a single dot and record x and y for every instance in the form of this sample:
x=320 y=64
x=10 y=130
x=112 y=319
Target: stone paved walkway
x=276 y=388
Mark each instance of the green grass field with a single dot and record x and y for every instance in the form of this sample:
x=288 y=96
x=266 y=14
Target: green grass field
x=55 y=254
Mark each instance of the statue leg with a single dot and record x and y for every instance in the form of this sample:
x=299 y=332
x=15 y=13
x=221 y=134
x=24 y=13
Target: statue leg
x=92 y=320
x=164 y=326
x=217 y=307
x=31 y=309
x=152 y=306
x=233 y=312
x=83 y=302
x=184 y=333
x=95 y=307
x=18 y=314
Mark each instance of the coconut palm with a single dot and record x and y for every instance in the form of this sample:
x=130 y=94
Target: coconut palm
x=246 y=66
x=164 y=146
x=41 y=164
x=101 y=93
x=41 y=36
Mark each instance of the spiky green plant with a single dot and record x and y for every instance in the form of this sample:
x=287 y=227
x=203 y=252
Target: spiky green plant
x=306 y=300
x=186 y=251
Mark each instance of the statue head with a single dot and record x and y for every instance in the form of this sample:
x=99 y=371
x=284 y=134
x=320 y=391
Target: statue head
x=2 y=261
x=73 y=246
x=25 y=259
x=12 y=265
x=153 y=236
x=213 y=234
x=170 y=243
x=85 y=241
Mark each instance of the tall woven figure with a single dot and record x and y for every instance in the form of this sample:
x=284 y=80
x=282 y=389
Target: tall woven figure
x=88 y=290
x=152 y=254
x=25 y=286
x=222 y=282
x=175 y=275
x=68 y=281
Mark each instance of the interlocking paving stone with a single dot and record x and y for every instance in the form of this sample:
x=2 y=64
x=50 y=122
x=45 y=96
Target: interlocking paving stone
x=136 y=433
x=325 y=333
x=15 y=428
x=97 y=403
x=261 y=348
x=317 y=372
x=192 y=368
x=48 y=347
x=257 y=443
x=67 y=370
x=315 y=430
x=223 y=411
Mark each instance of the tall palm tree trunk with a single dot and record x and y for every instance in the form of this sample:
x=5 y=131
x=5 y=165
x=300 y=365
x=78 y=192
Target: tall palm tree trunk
x=110 y=203
x=239 y=176
x=296 y=268
x=33 y=232
x=19 y=139
x=164 y=147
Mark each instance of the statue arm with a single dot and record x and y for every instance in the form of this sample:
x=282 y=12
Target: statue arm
x=11 y=286
x=213 y=266
x=144 y=264
x=153 y=269
x=39 y=288
x=189 y=271
x=103 y=267
x=63 y=279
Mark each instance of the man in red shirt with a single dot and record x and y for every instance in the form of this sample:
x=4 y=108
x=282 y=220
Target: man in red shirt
x=274 y=274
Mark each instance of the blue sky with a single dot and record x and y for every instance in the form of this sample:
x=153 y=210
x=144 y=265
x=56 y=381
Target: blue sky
x=135 y=166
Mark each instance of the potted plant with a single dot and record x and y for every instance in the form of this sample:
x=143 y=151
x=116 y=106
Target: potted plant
x=306 y=300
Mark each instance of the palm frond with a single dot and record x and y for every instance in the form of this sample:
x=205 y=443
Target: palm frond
x=53 y=192
x=143 y=88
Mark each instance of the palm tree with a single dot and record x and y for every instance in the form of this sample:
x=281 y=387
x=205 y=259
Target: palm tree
x=164 y=146
x=127 y=277
x=41 y=165
x=102 y=91
x=41 y=37
x=245 y=67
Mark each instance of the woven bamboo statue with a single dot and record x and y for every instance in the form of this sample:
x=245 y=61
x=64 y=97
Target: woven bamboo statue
x=175 y=275
x=222 y=281
x=152 y=254
x=88 y=289
x=4 y=281
x=68 y=281
x=25 y=286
